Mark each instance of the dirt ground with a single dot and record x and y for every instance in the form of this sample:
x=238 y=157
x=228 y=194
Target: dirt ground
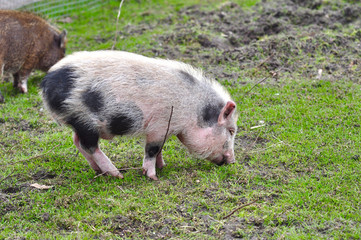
x=291 y=36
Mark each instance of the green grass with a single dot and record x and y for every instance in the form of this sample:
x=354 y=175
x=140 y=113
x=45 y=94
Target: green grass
x=302 y=164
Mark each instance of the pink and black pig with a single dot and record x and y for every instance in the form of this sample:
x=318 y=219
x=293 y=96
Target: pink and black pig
x=27 y=42
x=102 y=94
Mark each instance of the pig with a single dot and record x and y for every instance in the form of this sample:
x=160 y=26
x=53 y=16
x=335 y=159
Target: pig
x=27 y=42
x=101 y=94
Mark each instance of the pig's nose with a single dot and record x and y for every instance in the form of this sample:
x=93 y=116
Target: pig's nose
x=229 y=158
x=223 y=161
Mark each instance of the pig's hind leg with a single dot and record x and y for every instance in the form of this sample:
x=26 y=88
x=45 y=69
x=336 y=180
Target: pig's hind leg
x=152 y=157
x=159 y=160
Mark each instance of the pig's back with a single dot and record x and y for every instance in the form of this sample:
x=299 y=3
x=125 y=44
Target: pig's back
x=129 y=75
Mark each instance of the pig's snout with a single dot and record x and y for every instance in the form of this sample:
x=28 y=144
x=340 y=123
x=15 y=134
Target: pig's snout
x=230 y=158
x=225 y=159
x=222 y=162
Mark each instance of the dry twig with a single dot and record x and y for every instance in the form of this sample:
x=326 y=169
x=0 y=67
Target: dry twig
x=116 y=26
x=240 y=207
x=248 y=148
x=273 y=75
x=266 y=60
x=101 y=174
x=120 y=169
x=166 y=133
x=262 y=80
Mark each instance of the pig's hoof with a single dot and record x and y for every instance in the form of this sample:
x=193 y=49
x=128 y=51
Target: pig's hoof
x=160 y=166
x=120 y=176
x=153 y=178
x=231 y=161
x=115 y=174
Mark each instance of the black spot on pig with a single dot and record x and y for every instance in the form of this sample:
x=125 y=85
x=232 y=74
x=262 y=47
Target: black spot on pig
x=187 y=77
x=126 y=119
x=152 y=149
x=121 y=124
x=93 y=100
x=57 y=86
x=209 y=114
x=88 y=135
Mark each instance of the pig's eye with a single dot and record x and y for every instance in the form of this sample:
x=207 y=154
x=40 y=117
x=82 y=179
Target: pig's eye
x=231 y=131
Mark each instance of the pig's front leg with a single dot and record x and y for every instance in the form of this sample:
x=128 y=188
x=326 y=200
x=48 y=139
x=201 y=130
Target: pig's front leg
x=87 y=156
x=97 y=159
x=105 y=164
x=152 y=157
x=159 y=160
x=21 y=79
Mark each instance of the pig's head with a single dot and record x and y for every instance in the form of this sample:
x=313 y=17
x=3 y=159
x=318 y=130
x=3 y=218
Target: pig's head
x=55 y=50
x=213 y=139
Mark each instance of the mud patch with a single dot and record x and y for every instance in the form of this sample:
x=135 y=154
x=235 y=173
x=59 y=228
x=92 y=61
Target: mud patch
x=10 y=198
x=125 y=226
x=6 y=204
x=247 y=143
x=297 y=37
x=43 y=174
x=21 y=124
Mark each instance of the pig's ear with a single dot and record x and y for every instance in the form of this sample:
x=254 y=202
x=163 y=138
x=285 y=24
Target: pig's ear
x=62 y=37
x=226 y=112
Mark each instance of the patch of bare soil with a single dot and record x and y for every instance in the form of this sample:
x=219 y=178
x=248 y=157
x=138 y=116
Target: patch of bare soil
x=298 y=37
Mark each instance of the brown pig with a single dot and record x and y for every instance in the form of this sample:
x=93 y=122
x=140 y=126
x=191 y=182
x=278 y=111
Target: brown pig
x=27 y=42
x=101 y=94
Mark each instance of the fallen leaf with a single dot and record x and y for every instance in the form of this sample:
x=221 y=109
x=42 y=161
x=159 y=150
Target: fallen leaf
x=38 y=186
